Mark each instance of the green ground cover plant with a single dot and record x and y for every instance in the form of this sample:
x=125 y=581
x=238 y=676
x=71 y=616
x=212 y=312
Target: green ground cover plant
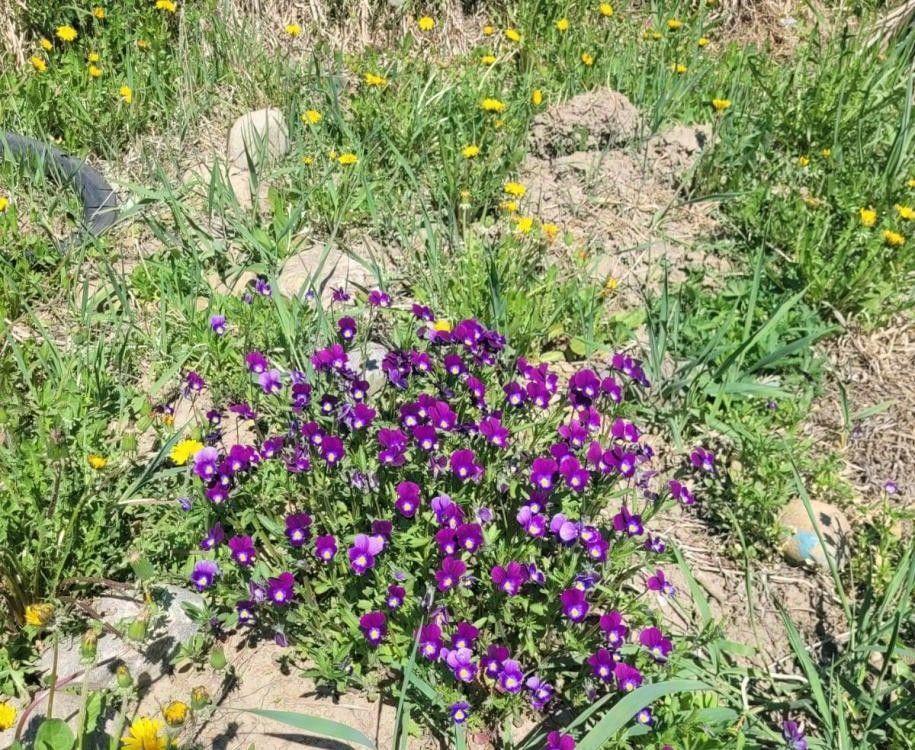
x=415 y=142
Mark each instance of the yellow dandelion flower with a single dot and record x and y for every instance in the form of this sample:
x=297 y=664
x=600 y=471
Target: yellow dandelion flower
x=536 y=97
x=721 y=105
x=99 y=12
x=489 y=30
x=513 y=35
x=95 y=71
x=4 y=203
x=293 y=30
x=442 y=325
x=679 y=68
x=143 y=44
x=126 y=93
x=524 y=224
x=803 y=161
x=587 y=59
x=45 y=44
x=605 y=9
x=825 y=152
x=470 y=150
x=426 y=23
x=372 y=79
x=175 y=713
x=39 y=615
x=703 y=41
x=905 y=212
x=509 y=206
x=167 y=5
x=184 y=450
x=347 y=159
x=145 y=734
x=550 y=230
x=674 y=23
x=7 y=716
x=893 y=239
x=66 y=33
x=515 y=189
x=311 y=117
x=492 y=105
x=911 y=183
x=867 y=216
x=40 y=65
x=498 y=123
x=96 y=461
x=610 y=285
x=488 y=59
x=562 y=24
x=307 y=161
x=93 y=57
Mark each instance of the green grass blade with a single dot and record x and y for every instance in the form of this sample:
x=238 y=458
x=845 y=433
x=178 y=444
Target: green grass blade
x=315 y=725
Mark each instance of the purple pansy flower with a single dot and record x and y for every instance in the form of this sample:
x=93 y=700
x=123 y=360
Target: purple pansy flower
x=347 y=327
x=658 y=646
x=325 y=547
x=462 y=664
x=460 y=711
x=243 y=551
x=205 y=461
x=680 y=492
x=628 y=523
x=543 y=471
x=511 y=678
x=450 y=574
x=627 y=677
x=555 y=740
x=464 y=636
x=511 y=578
x=793 y=734
x=703 y=460
x=658 y=582
x=469 y=537
x=364 y=551
x=395 y=596
x=602 y=664
x=541 y=692
x=534 y=524
x=407 y=499
x=280 y=590
x=257 y=362
x=574 y=604
x=298 y=528
x=213 y=537
x=204 y=574
x=464 y=465
x=430 y=641
x=613 y=626
x=218 y=324
x=374 y=626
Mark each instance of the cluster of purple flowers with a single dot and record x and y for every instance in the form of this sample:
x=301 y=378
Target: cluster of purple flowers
x=398 y=480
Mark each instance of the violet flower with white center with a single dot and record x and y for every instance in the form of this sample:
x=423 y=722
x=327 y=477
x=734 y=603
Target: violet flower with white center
x=574 y=604
x=614 y=628
x=395 y=596
x=469 y=537
x=658 y=646
x=627 y=677
x=271 y=381
x=374 y=626
x=326 y=547
x=298 y=528
x=205 y=461
x=213 y=537
x=628 y=523
x=243 y=551
x=793 y=734
x=462 y=664
x=602 y=664
x=257 y=362
x=658 y=582
x=509 y=579
x=364 y=551
x=204 y=574
x=703 y=460
x=543 y=471
x=408 y=499
x=511 y=678
x=450 y=574
x=534 y=524
x=555 y=740
x=218 y=324
x=680 y=492
x=459 y=711
x=430 y=641
x=281 y=590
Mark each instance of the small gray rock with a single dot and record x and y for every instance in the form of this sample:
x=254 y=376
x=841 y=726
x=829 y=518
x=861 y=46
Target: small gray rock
x=260 y=136
x=368 y=365
x=147 y=661
x=322 y=268
x=802 y=545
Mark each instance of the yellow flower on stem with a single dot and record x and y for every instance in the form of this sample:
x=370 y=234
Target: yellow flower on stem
x=515 y=189
x=803 y=161
x=99 y=12
x=95 y=71
x=562 y=24
x=509 y=206
x=126 y=93
x=184 y=450
x=550 y=230
x=96 y=461
x=536 y=97
x=470 y=151
x=605 y=9
x=911 y=183
x=39 y=615
x=93 y=57
x=442 y=325
x=347 y=159
x=492 y=105
x=46 y=44
x=7 y=716
x=311 y=117
x=905 y=212
x=825 y=152
x=703 y=41
x=40 y=65
x=893 y=239
x=513 y=35
x=145 y=734
x=167 y=5
x=867 y=216
x=673 y=24
x=720 y=105
x=488 y=59
x=66 y=33
x=678 y=68
x=175 y=713
x=293 y=30
x=587 y=59
x=489 y=30
x=524 y=224
x=372 y=79
x=426 y=23
x=4 y=203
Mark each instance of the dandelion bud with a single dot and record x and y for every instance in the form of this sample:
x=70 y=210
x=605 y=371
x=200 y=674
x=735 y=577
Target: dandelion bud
x=88 y=647
x=217 y=658
x=137 y=629
x=200 y=698
x=124 y=678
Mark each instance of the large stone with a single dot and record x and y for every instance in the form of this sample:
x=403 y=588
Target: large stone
x=368 y=364
x=148 y=660
x=802 y=545
x=320 y=269
x=597 y=119
x=257 y=137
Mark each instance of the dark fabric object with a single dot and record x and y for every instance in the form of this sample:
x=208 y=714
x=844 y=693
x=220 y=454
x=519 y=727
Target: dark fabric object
x=100 y=202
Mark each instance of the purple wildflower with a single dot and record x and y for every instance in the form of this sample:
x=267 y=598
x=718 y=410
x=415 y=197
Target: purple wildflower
x=793 y=733
x=511 y=578
x=460 y=711
x=703 y=460
x=280 y=590
x=602 y=664
x=213 y=537
x=450 y=574
x=325 y=547
x=627 y=678
x=469 y=537
x=543 y=470
x=257 y=362
x=658 y=646
x=243 y=551
x=541 y=692
x=555 y=740
x=204 y=573
x=298 y=528
x=464 y=465
x=408 y=499
x=218 y=324
x=462 y=664
x=378 y=298
x=574 y=605
x=511 y=678
x=347 y=328
x=534 y=524
x=205 y=461
x=395 y=596
x=430 y=641
x=628 y=523
x=614 y=628
x=364 y=551
x=680 y=492
x=464 y=636
x=658 y=582
x=374 y=626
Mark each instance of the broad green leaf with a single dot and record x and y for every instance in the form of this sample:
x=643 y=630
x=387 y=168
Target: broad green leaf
x=623 y=711
x=315 y=725
x=54 y=734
